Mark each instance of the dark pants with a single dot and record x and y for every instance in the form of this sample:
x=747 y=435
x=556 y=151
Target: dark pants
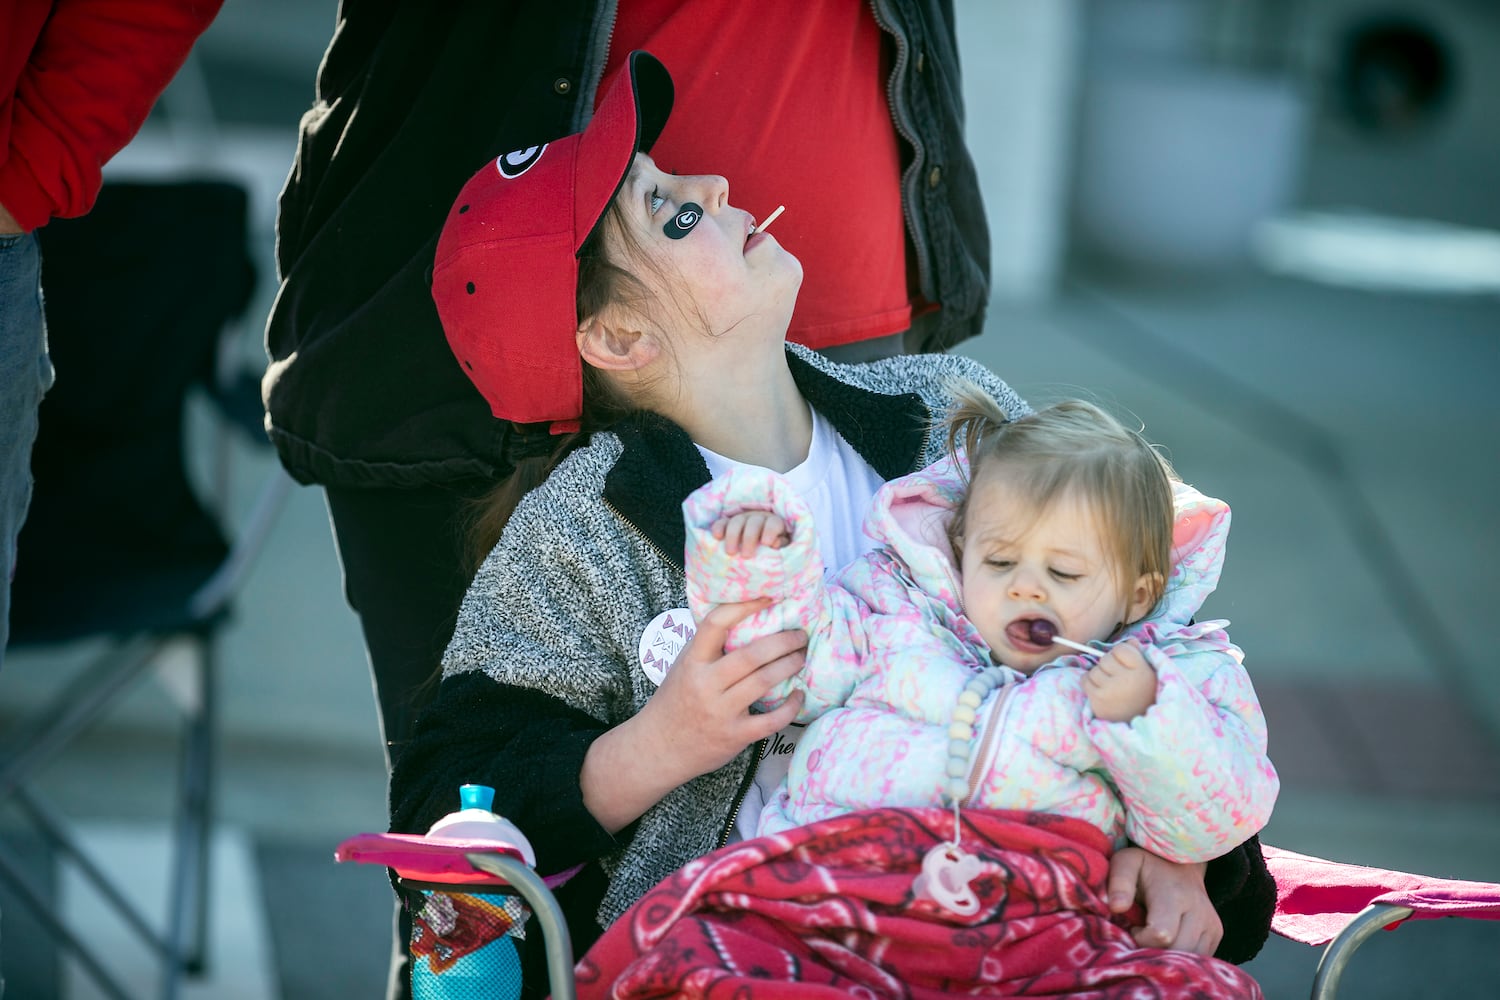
x=405 y=573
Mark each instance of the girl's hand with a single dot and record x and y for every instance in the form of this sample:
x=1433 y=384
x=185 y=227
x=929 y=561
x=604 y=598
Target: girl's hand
x=701 y=712
x=697 y=721
x=1178 y=913
x=1121 y=685
x=746 y=531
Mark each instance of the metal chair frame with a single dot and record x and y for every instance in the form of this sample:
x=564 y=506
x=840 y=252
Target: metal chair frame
x=180 y=945
x=510 y=871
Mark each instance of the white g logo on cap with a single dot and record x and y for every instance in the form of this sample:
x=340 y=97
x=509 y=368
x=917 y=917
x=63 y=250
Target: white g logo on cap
x=514 y=164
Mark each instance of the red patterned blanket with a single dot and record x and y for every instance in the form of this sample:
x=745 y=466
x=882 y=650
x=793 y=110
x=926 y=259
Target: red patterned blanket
x=829 y=910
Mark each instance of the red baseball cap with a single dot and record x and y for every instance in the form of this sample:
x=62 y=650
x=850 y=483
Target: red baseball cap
x=505 y=277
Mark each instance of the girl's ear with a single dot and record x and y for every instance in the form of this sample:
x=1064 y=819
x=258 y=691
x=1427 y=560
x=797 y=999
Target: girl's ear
x=615 y=347
x=1143 y=597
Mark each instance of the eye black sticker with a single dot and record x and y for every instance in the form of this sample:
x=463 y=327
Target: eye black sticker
x=513 y=165
x=683 y=222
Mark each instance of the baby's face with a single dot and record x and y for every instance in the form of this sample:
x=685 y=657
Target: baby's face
x=1020 y=565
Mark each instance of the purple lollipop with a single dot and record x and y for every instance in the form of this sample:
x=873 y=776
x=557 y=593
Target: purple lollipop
x=1042 y=632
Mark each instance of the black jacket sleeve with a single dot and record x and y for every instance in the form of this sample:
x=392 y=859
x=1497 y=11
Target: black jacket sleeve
x=1244 y=894
x=528 y=746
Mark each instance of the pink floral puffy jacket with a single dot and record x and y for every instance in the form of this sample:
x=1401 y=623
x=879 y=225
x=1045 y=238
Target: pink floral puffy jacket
x=890 y=651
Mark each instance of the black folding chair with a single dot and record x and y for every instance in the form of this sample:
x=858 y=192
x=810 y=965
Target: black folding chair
x=118 y=546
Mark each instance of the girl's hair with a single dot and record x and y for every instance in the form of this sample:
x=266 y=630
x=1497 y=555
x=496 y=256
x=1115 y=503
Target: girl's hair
x=601 y=283
x=1072 y=445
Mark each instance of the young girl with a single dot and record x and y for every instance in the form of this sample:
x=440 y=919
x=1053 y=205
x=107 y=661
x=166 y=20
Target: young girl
x=1062 y=526
x=630 y=322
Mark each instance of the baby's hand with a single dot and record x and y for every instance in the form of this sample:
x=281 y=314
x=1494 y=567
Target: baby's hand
x=746 y=531
x=1121 y=685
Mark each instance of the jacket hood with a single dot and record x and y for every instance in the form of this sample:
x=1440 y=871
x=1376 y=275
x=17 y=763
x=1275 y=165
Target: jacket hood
x=1200 y=531
x=912 y=514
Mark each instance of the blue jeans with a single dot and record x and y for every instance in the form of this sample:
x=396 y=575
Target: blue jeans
x=25 y=376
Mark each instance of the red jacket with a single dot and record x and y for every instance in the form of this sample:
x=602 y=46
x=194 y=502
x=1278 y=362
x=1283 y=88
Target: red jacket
x=77 y=78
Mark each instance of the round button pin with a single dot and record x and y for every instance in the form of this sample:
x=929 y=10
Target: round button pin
x=663 y=639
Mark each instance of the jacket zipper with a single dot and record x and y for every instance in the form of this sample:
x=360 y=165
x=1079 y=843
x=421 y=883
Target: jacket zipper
x=984 y=745
x=595 y=71
x=911 y=179
x=642 y=536
x=922 y=462
x=739 y=795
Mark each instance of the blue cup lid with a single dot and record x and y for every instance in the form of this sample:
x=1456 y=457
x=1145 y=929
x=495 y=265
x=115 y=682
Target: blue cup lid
x=476 y=797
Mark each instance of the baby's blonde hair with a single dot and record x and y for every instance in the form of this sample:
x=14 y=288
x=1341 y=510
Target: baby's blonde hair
x=1071 y=445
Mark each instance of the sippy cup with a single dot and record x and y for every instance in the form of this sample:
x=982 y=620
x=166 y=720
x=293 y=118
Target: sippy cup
x=474 y=820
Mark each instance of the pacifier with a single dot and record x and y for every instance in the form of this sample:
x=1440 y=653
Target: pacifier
x=947 y=870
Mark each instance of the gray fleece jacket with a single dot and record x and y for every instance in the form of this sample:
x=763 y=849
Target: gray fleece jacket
x=556 y=614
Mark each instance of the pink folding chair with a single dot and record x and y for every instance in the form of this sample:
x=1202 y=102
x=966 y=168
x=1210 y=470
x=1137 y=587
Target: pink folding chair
x=1319 y=902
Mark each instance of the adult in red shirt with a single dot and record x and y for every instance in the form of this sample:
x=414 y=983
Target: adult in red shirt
x=77 y=79
x=791 y=107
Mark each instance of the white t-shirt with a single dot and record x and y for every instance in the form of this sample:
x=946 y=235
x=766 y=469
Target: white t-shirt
x=837 y=484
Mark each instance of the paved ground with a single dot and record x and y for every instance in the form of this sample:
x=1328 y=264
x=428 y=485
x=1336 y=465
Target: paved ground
x=1352 y=432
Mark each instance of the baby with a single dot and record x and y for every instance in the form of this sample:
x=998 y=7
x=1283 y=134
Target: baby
x=932 y=673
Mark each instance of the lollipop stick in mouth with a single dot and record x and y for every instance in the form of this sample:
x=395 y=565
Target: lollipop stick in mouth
x=769 y=219
x=1079 y=646
x=1043 y=633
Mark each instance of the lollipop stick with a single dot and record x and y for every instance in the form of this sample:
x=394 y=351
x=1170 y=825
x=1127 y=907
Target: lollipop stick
x=1079 y=646
x=769 y=219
